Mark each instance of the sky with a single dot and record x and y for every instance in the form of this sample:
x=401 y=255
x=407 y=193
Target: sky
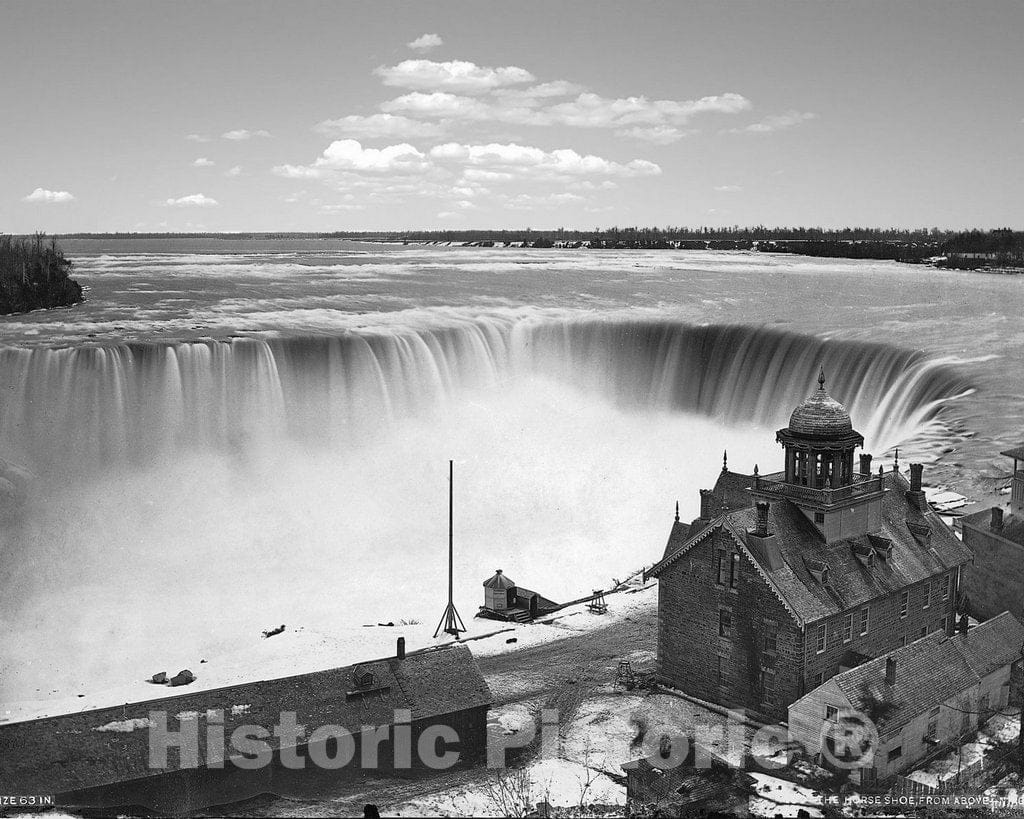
x=457 y=114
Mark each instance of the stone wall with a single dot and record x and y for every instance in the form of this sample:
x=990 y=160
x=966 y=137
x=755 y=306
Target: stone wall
x=995 y=582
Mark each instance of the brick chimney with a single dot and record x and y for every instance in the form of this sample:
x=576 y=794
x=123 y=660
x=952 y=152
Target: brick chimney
x=915 y=496
x=890 y=671
x=762 y=519
x=963 y=625
x=865 y=464
x=997 y=518
x=764 y=542
x=705 y=504
x=401 y=648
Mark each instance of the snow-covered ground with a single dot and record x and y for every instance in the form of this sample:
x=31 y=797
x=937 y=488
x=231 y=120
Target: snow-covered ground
x=302 y=648
x=999 y=729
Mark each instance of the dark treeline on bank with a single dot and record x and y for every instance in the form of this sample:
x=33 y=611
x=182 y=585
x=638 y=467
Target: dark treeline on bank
x=1000 y=248
x=34 y=274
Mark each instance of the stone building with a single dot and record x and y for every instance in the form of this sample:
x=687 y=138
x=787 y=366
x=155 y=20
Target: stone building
x=787 y=579
x=996 y=537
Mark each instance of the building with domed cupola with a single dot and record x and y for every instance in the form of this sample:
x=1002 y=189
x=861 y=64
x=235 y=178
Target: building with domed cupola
x=789 y=578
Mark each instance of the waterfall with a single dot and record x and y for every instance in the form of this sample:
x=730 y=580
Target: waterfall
x=80 y=409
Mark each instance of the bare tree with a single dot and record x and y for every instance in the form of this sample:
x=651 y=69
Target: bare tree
x=510 y=792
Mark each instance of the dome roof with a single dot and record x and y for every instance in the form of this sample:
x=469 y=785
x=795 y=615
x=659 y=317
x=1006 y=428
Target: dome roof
x=820 y=416
x=499 y=581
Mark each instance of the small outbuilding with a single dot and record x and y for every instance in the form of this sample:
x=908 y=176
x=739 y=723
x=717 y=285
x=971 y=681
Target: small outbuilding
x=504 y=600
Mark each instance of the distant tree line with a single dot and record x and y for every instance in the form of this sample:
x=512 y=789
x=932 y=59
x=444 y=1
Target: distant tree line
x=995 y=248
x=973 y=249
x=35 y=274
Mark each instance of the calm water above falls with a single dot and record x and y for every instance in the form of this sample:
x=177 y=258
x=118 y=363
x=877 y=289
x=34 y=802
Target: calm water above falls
x=222 y=417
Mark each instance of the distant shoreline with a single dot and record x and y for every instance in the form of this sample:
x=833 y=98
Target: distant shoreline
x=970 y=252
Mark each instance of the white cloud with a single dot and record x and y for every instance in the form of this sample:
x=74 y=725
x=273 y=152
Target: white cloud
x=349 y=155
x=377 y=126
x=441 y=105
x=594 y=111
x=203 y=162
x=195 y=200
x=243 y=133
x=52 y=197
x=234 y=171
x=516 y=159
x=426 y=42
x=776 y=122
x=526 y=201
x=454 y=75
x=728 y=188
x=657 y=134
x=197 y=138
x=657 y=121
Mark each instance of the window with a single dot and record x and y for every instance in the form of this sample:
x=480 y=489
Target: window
x=896 y=753
x=721 y=670
x=945 y=625
x=822 y=638
x=865 y=618
x=734 y=570
x=818 y=679
x=819 y=517
x=947 y=586
x=904 y=603
x=927 y=595
x=768 y=686
x=848 y=628
x=724 y=623
x=986 y=704
x=923 y=632
x=771 y=637
x=720 y=567
x=831 y=713
x=933 y=725
x=903 y=641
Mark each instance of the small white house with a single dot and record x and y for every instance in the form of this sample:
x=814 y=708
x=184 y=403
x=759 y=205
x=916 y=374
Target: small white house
x=891 y=712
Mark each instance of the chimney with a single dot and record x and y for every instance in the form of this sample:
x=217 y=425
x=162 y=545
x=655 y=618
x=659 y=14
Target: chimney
x=401 y=648
x=762 y=519
x=865 y=464
x=705 y=504
x=997 y=518
x=963 y=625
x=665 y=746
x=760 y=539
x=890 y=672
x=915 y=496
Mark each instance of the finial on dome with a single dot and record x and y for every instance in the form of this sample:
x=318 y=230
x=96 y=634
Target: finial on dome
x=896 y=460
x=725 y=460
x=755 y=469
x=677 y=511
x=821 y=378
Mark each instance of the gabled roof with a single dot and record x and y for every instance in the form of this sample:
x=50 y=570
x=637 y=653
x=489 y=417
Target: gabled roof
x=931 y=671
x=108 y=745
x=677 y=537
x=729 y=493
x=851 y=582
